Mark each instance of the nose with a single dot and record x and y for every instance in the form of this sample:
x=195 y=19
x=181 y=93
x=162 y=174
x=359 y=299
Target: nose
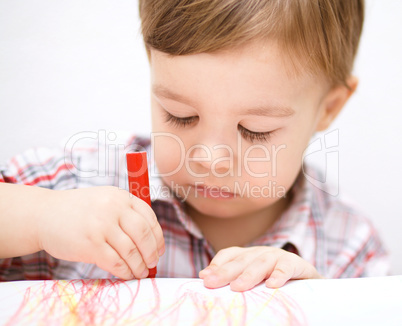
x=211 y=158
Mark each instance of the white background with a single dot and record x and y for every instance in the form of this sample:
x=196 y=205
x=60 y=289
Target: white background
x=73 y=66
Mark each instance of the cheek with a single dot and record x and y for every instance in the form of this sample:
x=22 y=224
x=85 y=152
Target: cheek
x=168 y=152
x=277 y=168
x=166 y=146
x=260 y=161
x=277 y=164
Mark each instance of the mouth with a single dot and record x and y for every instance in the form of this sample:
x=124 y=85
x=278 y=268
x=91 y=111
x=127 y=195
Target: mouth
x=213 y=192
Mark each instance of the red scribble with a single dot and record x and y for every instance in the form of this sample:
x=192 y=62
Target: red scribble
x=113 y=302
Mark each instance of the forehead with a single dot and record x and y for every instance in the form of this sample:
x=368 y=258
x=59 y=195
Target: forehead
x=256 y=71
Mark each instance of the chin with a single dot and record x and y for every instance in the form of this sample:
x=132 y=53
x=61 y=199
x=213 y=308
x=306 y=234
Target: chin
x=218 y=209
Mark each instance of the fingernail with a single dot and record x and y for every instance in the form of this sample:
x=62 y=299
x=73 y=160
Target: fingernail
x=213 y=268
x=206 y=271
x=271 y=281
x=144 y=273
x=211 y=278
x=153 y=264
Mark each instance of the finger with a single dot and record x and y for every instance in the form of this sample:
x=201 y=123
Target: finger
x=223 y=274
x=128 y=251
x=109 y=260
x=284 y=270
x=147 y=212
x=291 y=266
x=223 y=256
x=137 y=228
x=253 y=274
x=305 y=271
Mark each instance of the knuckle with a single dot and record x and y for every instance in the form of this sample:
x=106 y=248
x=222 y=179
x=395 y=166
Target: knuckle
x=139 y=204
x=146 y=234
x=91 y=239
x=133 y=252
x=262 y=260
x=120 y=268
x=119 y=265
x=111 y=262
x=228 y=251
x=153 y=221
x=241 y=260
x=281 y=270
x=284 y=268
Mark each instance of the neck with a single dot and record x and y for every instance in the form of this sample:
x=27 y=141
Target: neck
x=238 y=230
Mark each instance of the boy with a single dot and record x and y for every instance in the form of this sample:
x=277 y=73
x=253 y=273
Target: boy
x=238 y=89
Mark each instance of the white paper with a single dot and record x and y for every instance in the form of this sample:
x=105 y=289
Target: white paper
x=366 y=301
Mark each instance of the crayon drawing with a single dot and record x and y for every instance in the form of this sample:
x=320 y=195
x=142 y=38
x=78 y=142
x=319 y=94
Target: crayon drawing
x=144 y=302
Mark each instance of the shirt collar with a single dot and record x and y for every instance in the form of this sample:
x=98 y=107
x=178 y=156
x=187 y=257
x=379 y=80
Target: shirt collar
x=299 y=223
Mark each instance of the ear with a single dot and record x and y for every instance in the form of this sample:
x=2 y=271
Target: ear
x=334 y=101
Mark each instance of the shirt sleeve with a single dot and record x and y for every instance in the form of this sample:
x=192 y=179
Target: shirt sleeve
x=83 y=160
x=43 y=168
x=39 y=167
x=356 y=248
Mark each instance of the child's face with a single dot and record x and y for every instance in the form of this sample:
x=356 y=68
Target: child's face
x=234 y=121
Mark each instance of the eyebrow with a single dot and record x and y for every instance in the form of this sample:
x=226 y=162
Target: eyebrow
x=166 y=93
x=277 y=111
x=272 y=111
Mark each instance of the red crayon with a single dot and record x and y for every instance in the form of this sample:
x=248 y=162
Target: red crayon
x=138 y=181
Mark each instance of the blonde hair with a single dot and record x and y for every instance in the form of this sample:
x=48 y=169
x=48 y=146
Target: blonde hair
x=320 y=36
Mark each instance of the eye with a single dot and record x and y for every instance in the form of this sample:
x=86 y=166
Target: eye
x=179 y=122
x=254 y=136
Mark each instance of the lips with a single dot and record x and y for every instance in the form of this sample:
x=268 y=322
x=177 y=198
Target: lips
x=213 y=192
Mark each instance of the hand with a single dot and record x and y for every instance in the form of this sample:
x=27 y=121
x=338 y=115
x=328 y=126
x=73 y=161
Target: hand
x=243 y=268
x=106 y=226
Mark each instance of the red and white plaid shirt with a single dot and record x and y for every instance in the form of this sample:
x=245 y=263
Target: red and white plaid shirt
x=323 y=230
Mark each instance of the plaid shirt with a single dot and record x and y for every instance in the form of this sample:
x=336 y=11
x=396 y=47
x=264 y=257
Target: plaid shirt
x=338 y=240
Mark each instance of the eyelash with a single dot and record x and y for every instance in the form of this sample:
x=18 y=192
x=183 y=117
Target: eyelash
x=254 y=136
x=179 y=122
x=246 y=134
